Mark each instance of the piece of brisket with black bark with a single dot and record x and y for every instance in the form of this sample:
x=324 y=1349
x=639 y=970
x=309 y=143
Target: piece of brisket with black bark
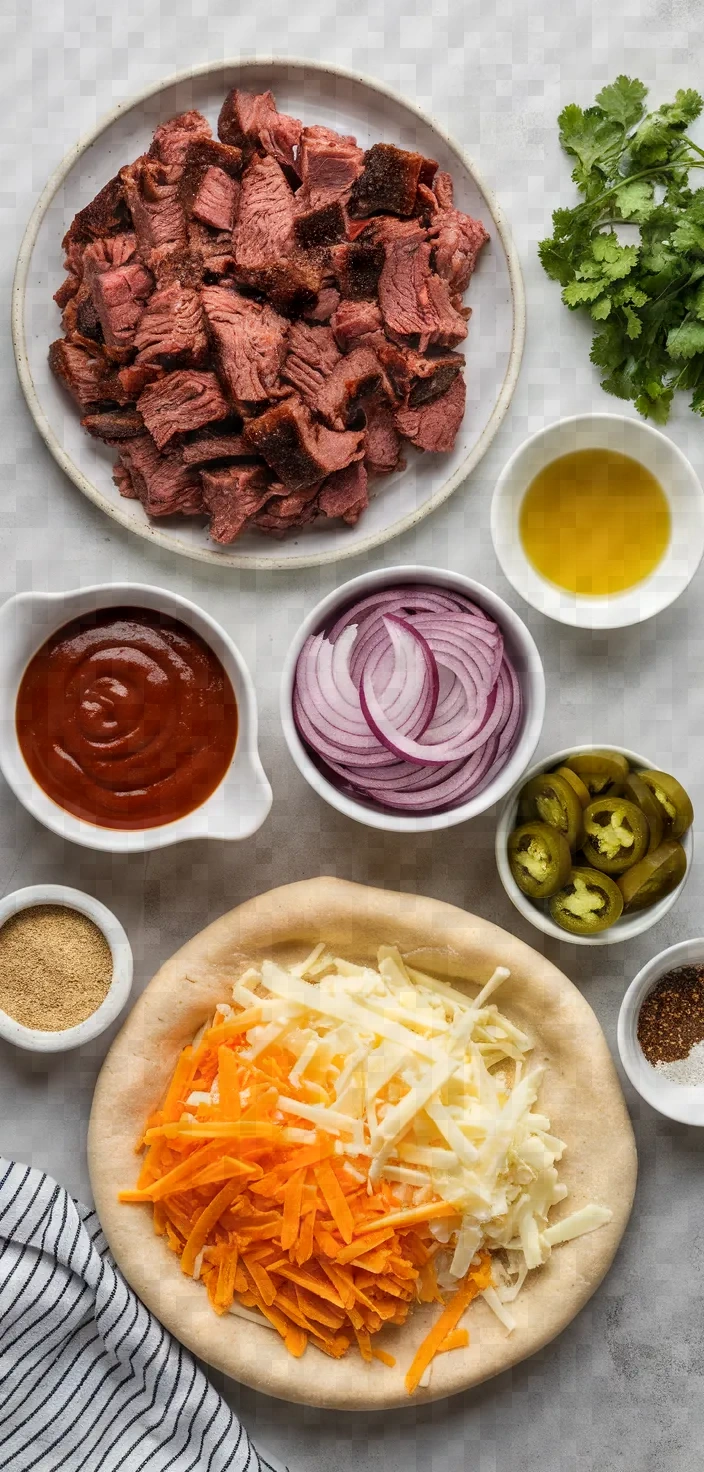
x=300 y=451
x=433 y=426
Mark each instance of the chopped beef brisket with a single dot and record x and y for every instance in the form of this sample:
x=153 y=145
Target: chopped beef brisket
x=388 y=182
x=433 y=426
x=208 y=445
x=354 y=321
x=457 y=240
x=264 y=240
x=208 y=186
x=114 y=424
x=414 y=301
x=250 y=341
x=274 y=302
x=85 y=374
x=320 y=227
x=123 y=481
x=444 y=190
x=88 y=324
x=426 y=205
x=328 y=164
x=418 y=377
x=264 y=229
x=105 y=215
x=173 y=139
x=312 y=355
x=345 y=493
x=210 y=251
x=300 y=451
x=172 y=330
x=134 y=377
x=119 y=286
x=214 y=204
x=357 y=268
x=282 y=513
x=382 y=445
x=233 y=495
x=450 y=318
x=325 y=304
x=161 y=482
x=152 y=194
x=180 y=402
x=355 y=377
x=251 y=120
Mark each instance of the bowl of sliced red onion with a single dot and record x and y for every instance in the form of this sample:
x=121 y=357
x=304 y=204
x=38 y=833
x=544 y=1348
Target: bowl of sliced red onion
x=412 y=699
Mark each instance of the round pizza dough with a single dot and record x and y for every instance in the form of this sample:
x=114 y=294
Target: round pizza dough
x=580 y=1093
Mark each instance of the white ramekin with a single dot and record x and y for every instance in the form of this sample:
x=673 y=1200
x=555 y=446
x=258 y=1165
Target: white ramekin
x=629 y=926
x=684 y=1102
x=679 y=481
x=237 y=807
x=35 y=1041
x=519 y=644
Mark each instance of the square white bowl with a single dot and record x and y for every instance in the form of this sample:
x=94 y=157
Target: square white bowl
x=241 y=801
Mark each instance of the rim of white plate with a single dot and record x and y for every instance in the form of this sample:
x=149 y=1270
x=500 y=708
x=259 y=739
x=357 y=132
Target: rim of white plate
x=153 y=533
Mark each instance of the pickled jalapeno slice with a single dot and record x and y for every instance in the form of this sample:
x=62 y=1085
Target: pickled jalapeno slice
x=616 y=834
x=550 y=799
x=589 y=902
x=539 y=859
x=576 y=784
x=636 y=790
x=655 y=876
x=674 y=803
x=598 y=769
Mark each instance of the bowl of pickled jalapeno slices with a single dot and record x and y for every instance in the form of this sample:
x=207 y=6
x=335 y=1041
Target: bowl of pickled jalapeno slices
x=594 y=846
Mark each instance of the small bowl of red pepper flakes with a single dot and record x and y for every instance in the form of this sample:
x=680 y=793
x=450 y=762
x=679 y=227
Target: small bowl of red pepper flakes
x=661 y=1032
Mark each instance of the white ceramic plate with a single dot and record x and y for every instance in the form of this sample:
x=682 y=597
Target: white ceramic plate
x=318 y=95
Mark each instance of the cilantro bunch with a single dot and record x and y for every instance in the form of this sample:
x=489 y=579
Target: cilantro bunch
x=647 y=300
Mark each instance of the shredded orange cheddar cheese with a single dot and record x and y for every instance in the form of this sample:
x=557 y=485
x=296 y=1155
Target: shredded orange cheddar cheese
x=281 y=1226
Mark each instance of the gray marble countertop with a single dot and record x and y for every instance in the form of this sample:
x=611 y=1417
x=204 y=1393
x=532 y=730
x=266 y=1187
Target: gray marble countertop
x=622 y=1390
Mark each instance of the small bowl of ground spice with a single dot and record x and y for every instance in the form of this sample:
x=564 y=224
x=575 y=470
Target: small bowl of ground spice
x=661 y=1032
x=65 y=968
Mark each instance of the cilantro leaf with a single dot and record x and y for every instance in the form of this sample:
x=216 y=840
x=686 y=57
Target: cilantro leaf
x=685 y=108
x=579 y=293
x=686 y=340
x=645 y=300
x=623 y=101
x=636 y=200
x=587 y=136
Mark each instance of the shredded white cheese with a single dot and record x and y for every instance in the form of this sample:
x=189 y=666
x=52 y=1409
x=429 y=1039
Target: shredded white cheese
x=427 y=1089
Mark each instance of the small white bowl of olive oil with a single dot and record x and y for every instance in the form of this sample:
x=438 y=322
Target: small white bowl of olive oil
x=598 y=521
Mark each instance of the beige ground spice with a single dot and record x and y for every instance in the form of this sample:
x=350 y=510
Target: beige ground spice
x=55 y=967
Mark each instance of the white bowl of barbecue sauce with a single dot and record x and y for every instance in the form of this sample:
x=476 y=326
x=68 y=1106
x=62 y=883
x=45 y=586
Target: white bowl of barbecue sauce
x=598 y=521
x=130 y=719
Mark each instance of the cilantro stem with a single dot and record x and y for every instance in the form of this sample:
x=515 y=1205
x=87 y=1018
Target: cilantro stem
x=695 y=146
x=590 y=204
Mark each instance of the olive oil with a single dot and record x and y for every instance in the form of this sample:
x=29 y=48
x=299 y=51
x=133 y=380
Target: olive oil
x=595 y=522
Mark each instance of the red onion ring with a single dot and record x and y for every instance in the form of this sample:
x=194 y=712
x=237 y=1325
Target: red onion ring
x=408 y=700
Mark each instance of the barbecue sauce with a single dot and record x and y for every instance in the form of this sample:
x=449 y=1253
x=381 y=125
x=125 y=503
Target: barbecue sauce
x=126 y=718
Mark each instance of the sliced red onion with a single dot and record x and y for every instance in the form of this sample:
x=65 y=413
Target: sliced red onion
x=409 y=699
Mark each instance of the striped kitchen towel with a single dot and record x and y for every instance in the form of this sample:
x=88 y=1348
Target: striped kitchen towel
x=89 y=1380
